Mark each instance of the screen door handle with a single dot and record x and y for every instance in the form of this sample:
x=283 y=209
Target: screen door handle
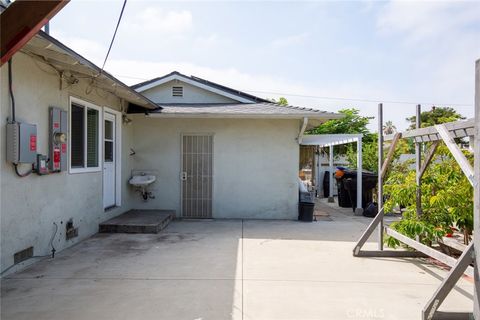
x=183 y=176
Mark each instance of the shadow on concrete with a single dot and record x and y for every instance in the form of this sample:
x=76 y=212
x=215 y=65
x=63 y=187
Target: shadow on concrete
x=188 y=271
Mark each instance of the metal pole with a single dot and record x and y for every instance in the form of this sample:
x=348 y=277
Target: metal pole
x=476 y=210
x=315 y=171
x=359 y=209
x=330 y=185
x=380 y=178
x=418 y=163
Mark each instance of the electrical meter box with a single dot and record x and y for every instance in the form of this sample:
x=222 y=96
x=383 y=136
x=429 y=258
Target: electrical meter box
x=58 y=128
x=21 y=142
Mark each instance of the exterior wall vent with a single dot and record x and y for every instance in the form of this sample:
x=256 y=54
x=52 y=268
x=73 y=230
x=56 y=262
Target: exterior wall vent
x=23 y=255
x=177 y=91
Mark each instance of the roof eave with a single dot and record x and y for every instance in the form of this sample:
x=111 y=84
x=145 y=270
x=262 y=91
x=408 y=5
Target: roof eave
x=103 y=75
x=297 y=116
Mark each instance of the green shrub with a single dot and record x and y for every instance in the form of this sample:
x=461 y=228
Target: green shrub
x=447 y=199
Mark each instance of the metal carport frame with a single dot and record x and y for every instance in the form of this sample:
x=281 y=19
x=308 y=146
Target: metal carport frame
x=331 y=140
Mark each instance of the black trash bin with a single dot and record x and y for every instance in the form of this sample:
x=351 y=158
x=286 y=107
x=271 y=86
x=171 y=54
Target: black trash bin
x=306 y=207
x=343 y=196
x=305 y=211
x=369 y=182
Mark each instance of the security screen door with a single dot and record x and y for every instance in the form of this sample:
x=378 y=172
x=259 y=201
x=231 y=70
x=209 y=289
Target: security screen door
x=197 y=175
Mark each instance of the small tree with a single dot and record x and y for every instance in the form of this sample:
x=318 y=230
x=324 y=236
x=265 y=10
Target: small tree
x=447 y=199
x=436 y=115
x=352 y=122
x=389 y=128
x=369 y=154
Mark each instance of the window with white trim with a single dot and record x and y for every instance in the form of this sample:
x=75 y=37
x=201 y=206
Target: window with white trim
x=85 y=135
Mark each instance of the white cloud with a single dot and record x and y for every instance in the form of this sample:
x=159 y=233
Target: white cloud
x=292 y=40
x=208 y=42
x=441 y=40
x=160 y=21
x=420 y=20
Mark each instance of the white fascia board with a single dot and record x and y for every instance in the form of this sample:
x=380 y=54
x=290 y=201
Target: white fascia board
x=325 y=140
x=237 y=116
x=193 y=83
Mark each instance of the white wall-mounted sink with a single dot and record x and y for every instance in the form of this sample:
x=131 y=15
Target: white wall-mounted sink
x=142 y=180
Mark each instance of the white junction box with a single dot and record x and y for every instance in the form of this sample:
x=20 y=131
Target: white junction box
x=21 y=142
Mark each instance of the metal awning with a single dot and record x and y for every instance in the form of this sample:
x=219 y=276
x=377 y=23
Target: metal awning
x=47 y=49
x=326 y=140
x=331 y=140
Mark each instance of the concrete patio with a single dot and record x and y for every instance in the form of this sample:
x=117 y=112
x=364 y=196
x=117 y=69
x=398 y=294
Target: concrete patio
x=228 y=269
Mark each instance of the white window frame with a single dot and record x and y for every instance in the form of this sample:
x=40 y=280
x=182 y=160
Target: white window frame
x=100 y=136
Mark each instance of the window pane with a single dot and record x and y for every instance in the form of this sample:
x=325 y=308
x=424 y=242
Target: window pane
x=108 y=130
x=77 y=137
x=108 y=151
x=92 y=138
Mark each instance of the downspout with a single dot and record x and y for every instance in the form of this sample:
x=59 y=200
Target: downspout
x=302 y=130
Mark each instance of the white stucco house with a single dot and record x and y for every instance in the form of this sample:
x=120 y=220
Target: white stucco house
x=216 y=152
x=220 y=152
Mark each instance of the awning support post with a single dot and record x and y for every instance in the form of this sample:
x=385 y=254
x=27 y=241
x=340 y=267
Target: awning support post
x=330 y=184
x=359 y=209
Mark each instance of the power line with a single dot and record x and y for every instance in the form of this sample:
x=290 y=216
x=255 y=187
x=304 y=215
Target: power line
x=337 y=98
x=114 y=34
x=360 y=99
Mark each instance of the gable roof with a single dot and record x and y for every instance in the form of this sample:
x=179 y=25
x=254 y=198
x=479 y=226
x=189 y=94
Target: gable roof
x=48 y=49
x=231 y=93
x=246 y=107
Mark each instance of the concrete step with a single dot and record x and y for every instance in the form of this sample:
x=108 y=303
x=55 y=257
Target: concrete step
x=138 y=221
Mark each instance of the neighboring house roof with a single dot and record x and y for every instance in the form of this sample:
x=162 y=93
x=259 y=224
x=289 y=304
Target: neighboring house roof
x=244 y=111
x=48 y=49
x=237 y=95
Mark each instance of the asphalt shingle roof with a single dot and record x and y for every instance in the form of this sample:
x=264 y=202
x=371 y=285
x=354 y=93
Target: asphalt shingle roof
x=239 y=109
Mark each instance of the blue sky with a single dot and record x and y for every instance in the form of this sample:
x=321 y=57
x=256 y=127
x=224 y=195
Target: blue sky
x=415 y=52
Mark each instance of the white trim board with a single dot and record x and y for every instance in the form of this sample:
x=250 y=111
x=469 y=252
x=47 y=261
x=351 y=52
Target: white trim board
x=299 y=116
x=193 y=83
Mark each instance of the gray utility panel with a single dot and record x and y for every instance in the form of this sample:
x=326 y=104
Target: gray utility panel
x=21 y=142
x=58 y=128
